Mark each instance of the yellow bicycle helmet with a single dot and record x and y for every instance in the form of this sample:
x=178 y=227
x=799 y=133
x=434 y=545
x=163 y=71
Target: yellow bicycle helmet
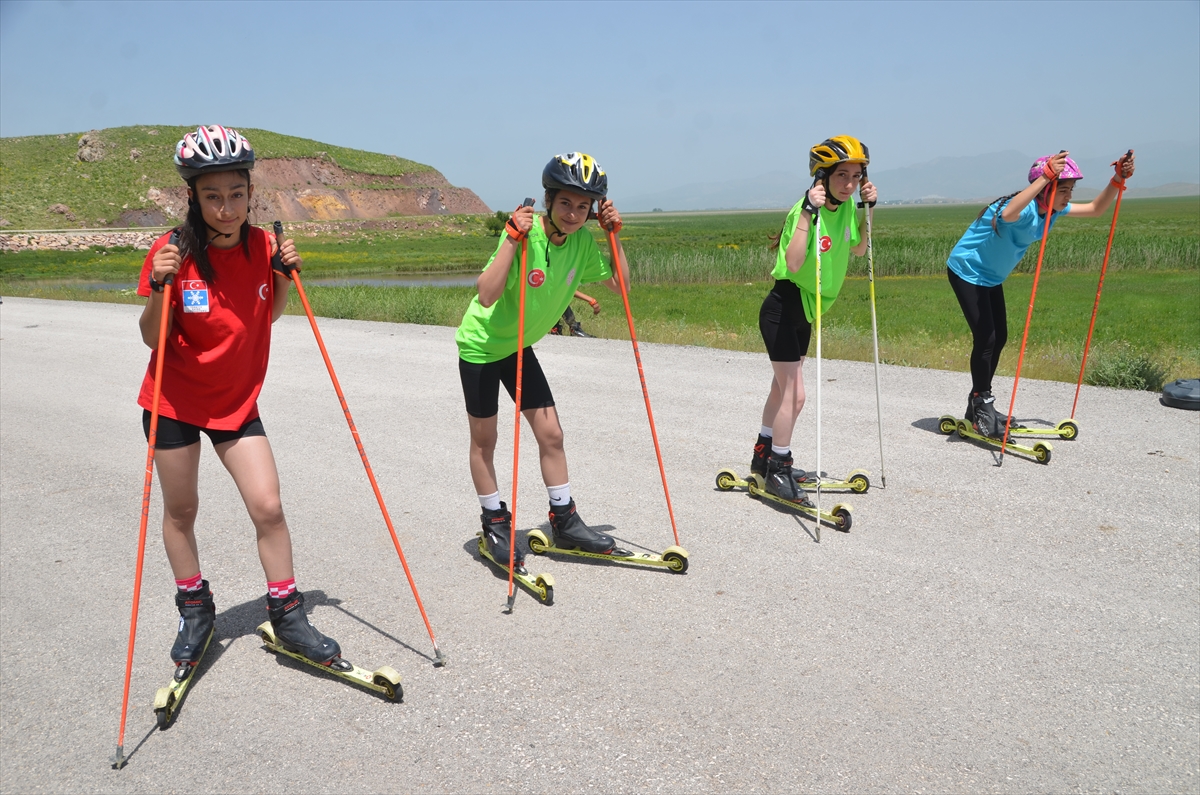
x=825 y=156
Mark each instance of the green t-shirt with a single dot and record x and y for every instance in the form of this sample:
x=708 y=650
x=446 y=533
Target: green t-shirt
x=839 y=233
x=554 y=274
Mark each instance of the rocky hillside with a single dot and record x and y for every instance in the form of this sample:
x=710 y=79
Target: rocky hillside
x=123 y=176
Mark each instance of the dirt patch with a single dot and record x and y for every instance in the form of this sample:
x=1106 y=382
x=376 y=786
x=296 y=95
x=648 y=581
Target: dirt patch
x=142 y=217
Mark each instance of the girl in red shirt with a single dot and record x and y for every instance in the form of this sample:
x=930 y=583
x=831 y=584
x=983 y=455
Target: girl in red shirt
x=228 y=290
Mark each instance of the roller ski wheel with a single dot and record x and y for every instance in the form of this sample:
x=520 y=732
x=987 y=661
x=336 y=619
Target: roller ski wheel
x=839 y=518
x=673 y=558
x=168 y=700
x=727 y=480
x=541 y=585
x=384 y=680
x=1039 y=451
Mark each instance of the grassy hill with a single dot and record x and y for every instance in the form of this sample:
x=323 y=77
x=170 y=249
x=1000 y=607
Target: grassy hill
x=37 y=172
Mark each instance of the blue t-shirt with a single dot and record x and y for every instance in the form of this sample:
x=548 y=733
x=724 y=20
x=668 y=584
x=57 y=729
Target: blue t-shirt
x=985 y=256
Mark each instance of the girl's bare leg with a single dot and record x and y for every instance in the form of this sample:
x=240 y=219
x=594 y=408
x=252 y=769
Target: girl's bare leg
x=252 y=465
x=178 y=474
x=789 y=385
x=483 y=454
x=549 y=434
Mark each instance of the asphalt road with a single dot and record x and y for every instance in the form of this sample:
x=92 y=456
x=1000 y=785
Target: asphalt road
x=1023 y=628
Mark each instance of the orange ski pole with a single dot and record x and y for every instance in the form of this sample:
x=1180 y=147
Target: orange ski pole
x=512 y=532
x=613 y=246
x=362 y=453
x=1112 y=229
x=119 y=758
x=1029 y=316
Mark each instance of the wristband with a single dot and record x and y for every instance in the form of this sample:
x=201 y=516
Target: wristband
x=155 y=286
x=594 y=303
x=807 y=205
x=1119 y=184
x=1048 y=172
x=514 y=231
x=865 y=204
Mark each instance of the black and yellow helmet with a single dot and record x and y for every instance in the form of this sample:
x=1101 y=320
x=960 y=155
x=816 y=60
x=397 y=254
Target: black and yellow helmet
x=825 y=156
x=575 y=172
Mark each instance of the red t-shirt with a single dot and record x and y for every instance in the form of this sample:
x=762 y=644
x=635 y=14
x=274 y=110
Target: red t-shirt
x=220 y=337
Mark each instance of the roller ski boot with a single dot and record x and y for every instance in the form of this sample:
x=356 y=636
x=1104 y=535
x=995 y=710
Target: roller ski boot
x=289 y=632
x=197 y=615
x=858 y=481
x=983 y=425
x=1065 y=429
x=779 y=486
x=572 y=537
x=493 y=545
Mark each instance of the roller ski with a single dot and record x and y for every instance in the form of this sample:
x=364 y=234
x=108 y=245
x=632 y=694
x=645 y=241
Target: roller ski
x=858 y=481
x=570 y=536
x=1040 y=451
x=779 y=486
x=493 y=546
x=290 y=633
x=197 y=615
x=1066 y=429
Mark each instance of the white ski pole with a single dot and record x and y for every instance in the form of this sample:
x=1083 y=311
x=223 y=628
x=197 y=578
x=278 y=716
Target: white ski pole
x=817 y=249
x=875 y=339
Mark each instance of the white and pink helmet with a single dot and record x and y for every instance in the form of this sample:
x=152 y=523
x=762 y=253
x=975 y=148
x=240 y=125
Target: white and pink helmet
x=1070 y=170
x=210 y=149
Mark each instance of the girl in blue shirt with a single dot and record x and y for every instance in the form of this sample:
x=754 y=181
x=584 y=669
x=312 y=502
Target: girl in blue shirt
x=990 y=249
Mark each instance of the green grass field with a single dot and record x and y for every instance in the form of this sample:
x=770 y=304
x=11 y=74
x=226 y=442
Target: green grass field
x=699 y=280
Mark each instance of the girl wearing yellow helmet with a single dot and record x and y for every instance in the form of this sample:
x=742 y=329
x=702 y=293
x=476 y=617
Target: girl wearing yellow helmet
x=839 y=167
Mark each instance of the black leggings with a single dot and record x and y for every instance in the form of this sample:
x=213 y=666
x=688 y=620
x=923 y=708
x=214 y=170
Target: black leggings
x=984 y=310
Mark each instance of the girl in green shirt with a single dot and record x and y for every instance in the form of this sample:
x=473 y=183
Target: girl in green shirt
x=839 y=167
x=561 y=255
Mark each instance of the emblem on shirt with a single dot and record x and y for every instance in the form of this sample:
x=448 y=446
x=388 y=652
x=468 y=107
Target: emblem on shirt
x=537 y=277
x=571 y=276
x=262 y=291
x=847 y=233
x=826 y=243
x=195 y=295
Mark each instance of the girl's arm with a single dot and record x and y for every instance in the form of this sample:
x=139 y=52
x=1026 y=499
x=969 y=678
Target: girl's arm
x=1097 y=206
x=166 y=263
x=585 y=297
x=283 y=279
x=869 y=196
x=490 y=283
x=611 y=219
x=797 y=249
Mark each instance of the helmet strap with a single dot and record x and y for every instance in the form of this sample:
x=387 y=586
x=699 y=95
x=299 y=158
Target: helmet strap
x=830 y=202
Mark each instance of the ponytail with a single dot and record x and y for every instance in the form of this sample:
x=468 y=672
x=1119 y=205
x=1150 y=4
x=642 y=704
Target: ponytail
x=1003 y=200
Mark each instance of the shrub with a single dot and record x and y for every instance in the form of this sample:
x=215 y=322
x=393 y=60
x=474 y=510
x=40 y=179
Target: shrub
x=495 y=224
x=1120 y=366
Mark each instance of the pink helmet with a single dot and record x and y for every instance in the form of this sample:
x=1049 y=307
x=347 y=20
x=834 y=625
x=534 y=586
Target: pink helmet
x=212 y=148
x=1070 y=170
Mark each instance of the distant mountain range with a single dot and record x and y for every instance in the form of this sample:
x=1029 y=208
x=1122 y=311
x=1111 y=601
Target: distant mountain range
x=1164 y=169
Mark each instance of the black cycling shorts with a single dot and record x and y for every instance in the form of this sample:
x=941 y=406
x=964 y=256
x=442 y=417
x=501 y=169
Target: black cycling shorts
x=781 y=321
x=172 y=433
x=481 y=384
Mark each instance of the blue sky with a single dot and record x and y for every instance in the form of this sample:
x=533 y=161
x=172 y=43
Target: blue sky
x=662 y=94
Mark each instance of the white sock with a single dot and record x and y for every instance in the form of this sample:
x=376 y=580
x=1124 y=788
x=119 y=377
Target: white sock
x=766 y=431
x=490 y=502
x=781 y=450
x=559 y=495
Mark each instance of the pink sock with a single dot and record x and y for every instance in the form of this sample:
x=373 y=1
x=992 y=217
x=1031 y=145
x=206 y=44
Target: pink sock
x=279 y=590
x=190 y=584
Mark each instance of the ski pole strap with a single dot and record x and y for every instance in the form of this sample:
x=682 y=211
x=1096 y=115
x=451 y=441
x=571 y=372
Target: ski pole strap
x=277 y=263
x=865 y=204
x=1119 y=184
x=514 y=232
x=1048 y=172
